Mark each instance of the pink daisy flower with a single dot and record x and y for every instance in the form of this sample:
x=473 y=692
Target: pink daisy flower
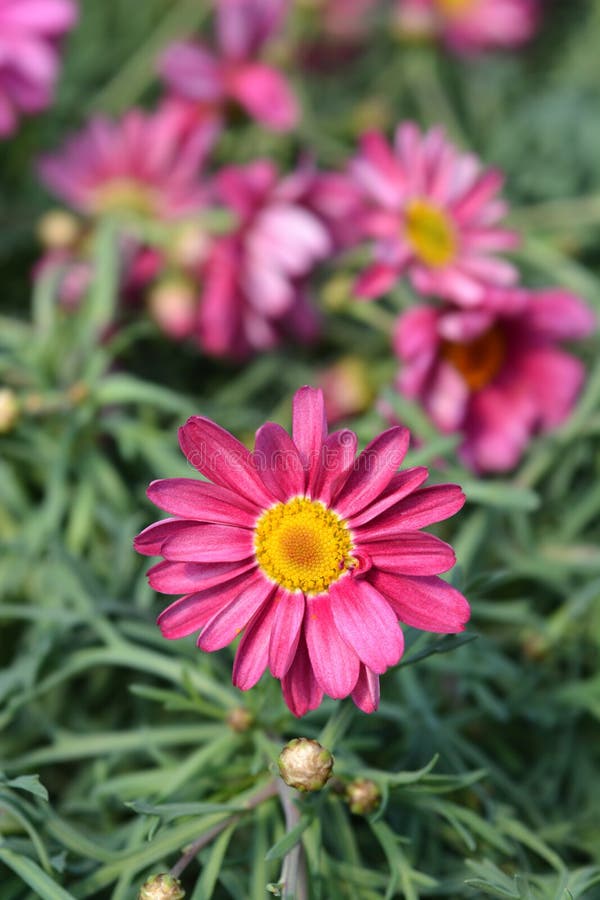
x=496 y=375
x=470 y=26
x=312 y=555
x=30 y=31
x=146 y=164
x=434 y=215
x=234 y=74
x=253 y=283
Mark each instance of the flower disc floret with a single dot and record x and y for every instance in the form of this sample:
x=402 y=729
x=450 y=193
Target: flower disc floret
x=431 y=233
x=303 y=546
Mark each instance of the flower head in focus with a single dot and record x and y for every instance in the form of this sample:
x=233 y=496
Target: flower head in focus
x=145 y=165
x=210 y=80
x=434 y=215
x=30 y=32
x=470 y=26
x=496 y=375
x=253 y=280
x=308 y=552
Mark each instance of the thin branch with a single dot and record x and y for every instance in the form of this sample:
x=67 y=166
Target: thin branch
x=293 y=871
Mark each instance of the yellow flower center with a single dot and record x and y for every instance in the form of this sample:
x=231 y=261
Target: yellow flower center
x=431 y=233
x=479 y=360
x=125 y=196
x=454 y=9
x=302 y=545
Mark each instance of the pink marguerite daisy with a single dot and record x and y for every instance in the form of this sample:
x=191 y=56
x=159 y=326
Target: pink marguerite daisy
x=496 y=375
x=146 y=164
x=434 y=215
x=234 y=74
x=470 y=26
x=309 y=553
x=30 y=32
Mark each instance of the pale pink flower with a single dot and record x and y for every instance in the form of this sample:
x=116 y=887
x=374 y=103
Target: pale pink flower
x=470 y=26
x=496 y=375
x=434 y=215
x=146 y=164
x=234 y=73
x=348 y=20
x=30 y=32
x=309 y=553
x=253 y=282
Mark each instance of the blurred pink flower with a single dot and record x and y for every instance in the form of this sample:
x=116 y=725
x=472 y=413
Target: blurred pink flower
x=234 y=74
x=254 y=278
x=312 y=555
x=146 y=164
x=470 y=26
x=30 y=31
x=347 y=20
x=434 y=214
x=496 y=375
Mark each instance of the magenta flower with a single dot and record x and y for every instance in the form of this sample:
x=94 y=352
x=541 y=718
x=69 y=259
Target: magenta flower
x=30 y=31
x=470 y=26
x=434 y=215
x=146 y=164
x=497 y=377
x=312 y=555
x=234 y=74
x=254 y=278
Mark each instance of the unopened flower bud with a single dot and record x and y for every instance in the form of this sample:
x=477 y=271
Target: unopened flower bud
x=363 y=796
x=161 y=887
x=58 y=229
x=173 y=306
x=239 y=719
x=9 y=410
x=305 y=764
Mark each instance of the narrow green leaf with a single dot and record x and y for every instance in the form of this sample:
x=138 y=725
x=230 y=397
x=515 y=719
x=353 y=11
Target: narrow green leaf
x=289 y=840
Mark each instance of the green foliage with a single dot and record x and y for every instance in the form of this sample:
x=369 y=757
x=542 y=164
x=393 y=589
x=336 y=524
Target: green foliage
x=486 y=751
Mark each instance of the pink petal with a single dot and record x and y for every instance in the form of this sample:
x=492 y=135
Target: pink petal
x=334 y=663
x=309 y=427
x=482 y=191
x=192 y=71
x=416 y=332
x=185 y=577
x=301 y=690
x=278 y=461
x=285 y=633
x=221 y=458
x=428 y=602
x=192 y=612
x=201 y=542
x=402 y=484
x=366 y=622
x=265 y=94
x=425 y=506
x=556 y=314
x=448 y=397
x=366 y=692
x=413 y=553
x=372 y=471
x=149 y=541
x=378 y=279
x=231 y=619
x=253 y=652
x=555 y=378
x=206 y=502
x=337 y=458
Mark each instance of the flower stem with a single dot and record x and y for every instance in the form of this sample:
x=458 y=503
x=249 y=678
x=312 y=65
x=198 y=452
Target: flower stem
x=268 y=790
x=293 y=871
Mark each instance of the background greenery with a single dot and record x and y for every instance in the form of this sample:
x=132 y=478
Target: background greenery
x=487 y=751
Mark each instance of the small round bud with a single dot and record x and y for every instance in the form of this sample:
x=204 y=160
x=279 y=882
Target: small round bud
x=161 y=887
x=173 y=306
x=363 y=796
x=239 y=719
x=58 y=229
x=9 y=410
x=305 y=764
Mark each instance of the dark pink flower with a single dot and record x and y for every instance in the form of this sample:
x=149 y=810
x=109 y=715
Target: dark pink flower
x=234 y=73
x=309 y=553
x=470 y=26
x=253 y=282
x=496 y=375
x=146 y=164
x=434 y=215
x=30 y=31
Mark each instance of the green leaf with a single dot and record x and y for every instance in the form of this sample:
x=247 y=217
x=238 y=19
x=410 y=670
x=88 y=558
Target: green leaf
x=44 y=886
x=29 y=783
x=289 y=840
